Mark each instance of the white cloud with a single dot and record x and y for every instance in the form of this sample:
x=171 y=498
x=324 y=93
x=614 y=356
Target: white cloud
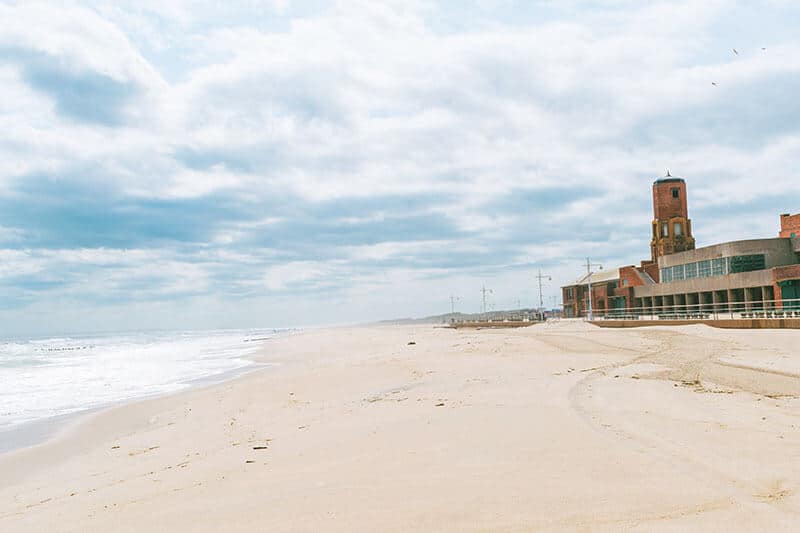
x=361 y=101
x=75 y=36
x=285 y=276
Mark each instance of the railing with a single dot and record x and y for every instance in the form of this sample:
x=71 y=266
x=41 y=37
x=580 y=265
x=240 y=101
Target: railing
x=501 y=317
x=772 y=309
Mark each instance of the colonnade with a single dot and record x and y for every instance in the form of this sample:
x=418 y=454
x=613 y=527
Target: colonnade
x=714 y=301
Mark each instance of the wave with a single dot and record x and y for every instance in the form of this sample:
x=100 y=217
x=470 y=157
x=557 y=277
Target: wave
x=51 y=377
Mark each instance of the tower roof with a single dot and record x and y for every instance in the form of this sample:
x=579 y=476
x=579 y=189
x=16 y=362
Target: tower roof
x=669 y=179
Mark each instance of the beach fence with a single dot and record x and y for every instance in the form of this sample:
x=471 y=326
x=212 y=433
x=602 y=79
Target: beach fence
x=755 y=313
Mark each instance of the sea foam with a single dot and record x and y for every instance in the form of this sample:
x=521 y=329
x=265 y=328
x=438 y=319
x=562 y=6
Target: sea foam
x=41 y=378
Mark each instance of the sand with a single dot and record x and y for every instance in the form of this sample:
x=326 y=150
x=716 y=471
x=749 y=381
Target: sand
x=555 y=427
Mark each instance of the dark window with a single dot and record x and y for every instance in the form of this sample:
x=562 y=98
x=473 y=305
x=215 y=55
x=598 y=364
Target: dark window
x=746 y=263
x=675 y=192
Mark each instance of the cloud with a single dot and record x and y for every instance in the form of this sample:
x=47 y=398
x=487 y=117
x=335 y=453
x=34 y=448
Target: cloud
x=85 y=96
x=84 y=63
x=61 y=211
x=394 y=152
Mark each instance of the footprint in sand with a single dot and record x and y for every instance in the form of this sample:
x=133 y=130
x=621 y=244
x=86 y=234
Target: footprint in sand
x=776 y=493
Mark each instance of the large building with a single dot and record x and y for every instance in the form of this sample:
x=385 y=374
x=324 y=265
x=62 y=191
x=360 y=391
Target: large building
x=739 y=276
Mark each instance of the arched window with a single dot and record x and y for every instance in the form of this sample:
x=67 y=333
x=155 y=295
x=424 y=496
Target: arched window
x=665 y=230
x=677 y=229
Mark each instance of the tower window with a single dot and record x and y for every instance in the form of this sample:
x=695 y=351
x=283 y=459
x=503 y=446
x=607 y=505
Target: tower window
x=665 y=230
x=678 y=229
x=675 y=192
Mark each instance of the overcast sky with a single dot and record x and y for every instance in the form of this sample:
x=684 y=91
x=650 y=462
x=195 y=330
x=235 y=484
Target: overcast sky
x=204 y=164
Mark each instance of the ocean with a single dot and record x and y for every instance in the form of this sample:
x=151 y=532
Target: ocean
x=51 y=377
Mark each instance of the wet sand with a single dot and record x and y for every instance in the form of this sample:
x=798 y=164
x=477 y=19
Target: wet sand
x=555 y=427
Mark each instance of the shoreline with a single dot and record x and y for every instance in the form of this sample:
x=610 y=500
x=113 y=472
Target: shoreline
x=41 y=431
x=73 y=429
x=554 y=427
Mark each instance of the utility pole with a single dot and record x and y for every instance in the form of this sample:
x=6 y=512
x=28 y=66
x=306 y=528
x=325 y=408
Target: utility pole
x=484 y=291
x=453 y=300
x=589 y=265
x=540 y=277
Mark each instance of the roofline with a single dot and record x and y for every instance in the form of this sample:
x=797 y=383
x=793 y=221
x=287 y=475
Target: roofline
x=669 y=180
x=584 y=280
x=730 y=242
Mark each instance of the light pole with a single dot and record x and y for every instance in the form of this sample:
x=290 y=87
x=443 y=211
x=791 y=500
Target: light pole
x=484 y=290
x=540 y=277
x=453 y=300
x=589 y=265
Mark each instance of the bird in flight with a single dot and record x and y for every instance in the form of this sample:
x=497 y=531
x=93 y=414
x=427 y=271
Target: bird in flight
x=734 y=51
x=714 y=83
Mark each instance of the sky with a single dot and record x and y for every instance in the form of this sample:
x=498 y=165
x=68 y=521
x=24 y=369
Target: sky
x=208 y=164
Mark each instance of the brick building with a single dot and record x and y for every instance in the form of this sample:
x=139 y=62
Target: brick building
x=603 y=287
x=790 y=226
x=680 y=278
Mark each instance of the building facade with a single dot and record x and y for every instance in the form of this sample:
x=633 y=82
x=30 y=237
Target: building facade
x=738 y=276
x=603 y=289
x=790 y=226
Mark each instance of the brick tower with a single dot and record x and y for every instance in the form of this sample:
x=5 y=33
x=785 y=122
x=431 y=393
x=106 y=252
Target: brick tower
x=672 y=229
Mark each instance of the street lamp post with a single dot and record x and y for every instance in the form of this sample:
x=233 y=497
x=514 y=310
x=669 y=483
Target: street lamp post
x=484 y=290
x=589 y=265
x=453 y=300
x=540 y=277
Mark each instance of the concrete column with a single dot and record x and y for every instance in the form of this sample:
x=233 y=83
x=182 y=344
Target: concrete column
x=680 y=303
x=723 y=298
x=707 y=301
x=731 y=301
x=758 y=298
x=769 y=296
x=693 y=302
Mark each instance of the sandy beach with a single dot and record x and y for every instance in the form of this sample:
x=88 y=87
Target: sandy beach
x=554 y=427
